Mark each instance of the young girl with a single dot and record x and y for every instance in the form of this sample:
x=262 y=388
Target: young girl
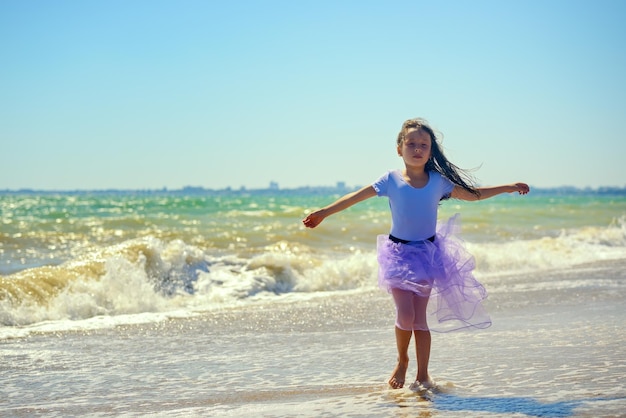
x=424 y=267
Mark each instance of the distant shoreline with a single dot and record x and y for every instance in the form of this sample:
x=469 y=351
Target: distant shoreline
x=340 y=188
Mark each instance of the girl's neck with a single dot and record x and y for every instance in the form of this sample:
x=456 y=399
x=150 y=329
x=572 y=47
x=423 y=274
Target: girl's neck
x=416 y=177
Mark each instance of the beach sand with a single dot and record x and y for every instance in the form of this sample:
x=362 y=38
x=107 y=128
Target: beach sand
x=551 y=354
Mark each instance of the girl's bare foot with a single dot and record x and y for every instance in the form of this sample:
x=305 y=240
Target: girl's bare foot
x=429 y=383
x=399 y=374
x=423 y=385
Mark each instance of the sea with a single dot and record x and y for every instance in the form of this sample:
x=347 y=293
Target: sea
x=220 y=303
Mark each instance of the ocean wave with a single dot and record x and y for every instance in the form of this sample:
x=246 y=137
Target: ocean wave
x=570 y=247
x=153 y=276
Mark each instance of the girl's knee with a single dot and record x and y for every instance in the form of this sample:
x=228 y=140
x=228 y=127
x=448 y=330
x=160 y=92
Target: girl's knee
x=404 y=326
x=420 y=325
x=407 y=309
x=405 y=320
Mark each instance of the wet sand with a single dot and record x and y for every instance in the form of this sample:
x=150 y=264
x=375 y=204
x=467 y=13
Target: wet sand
x=551 y=354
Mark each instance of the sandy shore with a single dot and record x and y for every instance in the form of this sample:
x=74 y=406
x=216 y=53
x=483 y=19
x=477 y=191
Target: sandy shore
x=331 y=356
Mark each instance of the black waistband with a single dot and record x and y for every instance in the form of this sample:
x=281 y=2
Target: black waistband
x=403 y=241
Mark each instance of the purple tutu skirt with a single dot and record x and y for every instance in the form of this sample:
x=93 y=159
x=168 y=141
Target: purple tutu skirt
x=442 y=271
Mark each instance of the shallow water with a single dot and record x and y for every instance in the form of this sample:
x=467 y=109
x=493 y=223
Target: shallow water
x=147 y=305
x=330 y=355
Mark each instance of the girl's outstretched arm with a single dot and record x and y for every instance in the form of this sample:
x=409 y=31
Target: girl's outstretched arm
x=344 y=202
x=487 y=192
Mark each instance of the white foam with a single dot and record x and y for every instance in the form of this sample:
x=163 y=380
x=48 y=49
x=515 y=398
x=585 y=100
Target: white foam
x=148 y=279
x=569 y=248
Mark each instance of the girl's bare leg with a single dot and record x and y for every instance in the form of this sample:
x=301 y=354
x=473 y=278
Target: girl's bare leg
x=422 y=348
x=422 y=340
x=403 y=339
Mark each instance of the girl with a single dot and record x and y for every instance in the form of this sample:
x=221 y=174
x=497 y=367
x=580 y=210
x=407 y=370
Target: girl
x=424 y=267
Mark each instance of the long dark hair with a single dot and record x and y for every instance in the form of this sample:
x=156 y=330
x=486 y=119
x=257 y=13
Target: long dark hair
x=438 y=161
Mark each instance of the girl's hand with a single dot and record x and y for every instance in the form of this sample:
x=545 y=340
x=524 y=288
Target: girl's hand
x=521 y=188
x=344 y=202
x=313 y=219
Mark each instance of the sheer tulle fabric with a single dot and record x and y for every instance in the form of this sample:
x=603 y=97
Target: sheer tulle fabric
x=441 y=270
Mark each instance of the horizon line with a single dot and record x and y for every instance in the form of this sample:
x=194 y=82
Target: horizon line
x=273 y=187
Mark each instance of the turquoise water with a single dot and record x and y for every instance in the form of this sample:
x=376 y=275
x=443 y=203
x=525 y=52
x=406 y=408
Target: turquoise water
x=225 y=248
x=118 y=304
x=36 y=229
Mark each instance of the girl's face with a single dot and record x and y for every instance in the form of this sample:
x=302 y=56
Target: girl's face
x=415 y=149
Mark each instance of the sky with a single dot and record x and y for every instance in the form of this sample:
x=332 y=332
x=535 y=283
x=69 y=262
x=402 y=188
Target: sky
x=147 y=94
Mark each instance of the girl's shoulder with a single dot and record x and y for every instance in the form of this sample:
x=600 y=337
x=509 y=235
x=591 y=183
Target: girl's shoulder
x=392 y=173
x=438 y=177
x=396 y=175
x=442 y=182
x=435 y=175
x=389 y=179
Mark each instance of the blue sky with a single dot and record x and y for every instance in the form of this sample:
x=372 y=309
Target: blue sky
x=152 y=94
